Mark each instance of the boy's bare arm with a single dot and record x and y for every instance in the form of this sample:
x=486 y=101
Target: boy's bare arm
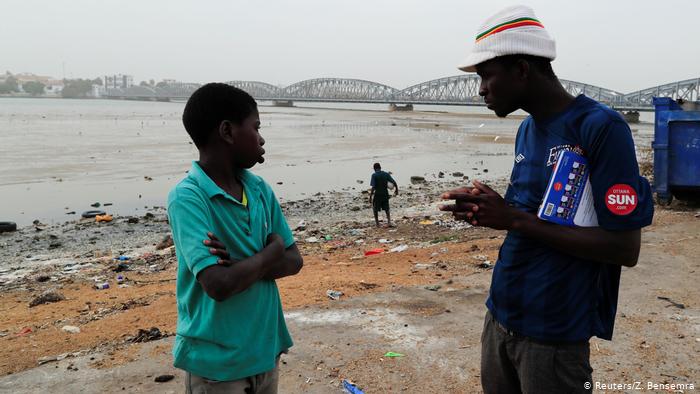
x=221 y=281
x=290 y=264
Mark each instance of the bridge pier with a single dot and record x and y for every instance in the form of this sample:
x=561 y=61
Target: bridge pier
x=400 y=108
x=630 y=116
x=282 y=103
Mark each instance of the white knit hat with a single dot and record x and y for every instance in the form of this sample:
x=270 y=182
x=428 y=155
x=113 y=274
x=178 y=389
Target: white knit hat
x=512 y=31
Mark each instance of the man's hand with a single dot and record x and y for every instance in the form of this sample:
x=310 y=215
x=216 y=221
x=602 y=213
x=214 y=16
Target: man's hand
x=217 y=248
x=487 y=207
x=461 y=210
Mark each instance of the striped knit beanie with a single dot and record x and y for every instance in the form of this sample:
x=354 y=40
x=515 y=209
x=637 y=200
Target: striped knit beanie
x=512 y=31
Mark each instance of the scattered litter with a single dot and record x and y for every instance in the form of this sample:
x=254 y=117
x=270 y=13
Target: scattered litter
x=311 y=240
x=433 y=287
x=103 y=218
x=123 y=258
x=91 y=214
x=366 y=285
x=120 y=279
x=147 y=335
x=357 y=257
x=164 y=378
x=301 y=226
x=45 y=298
x=328 y=237
x=351 y=388
x=71 y=329
x=392 y=354
x=102 y=286
x=426 y=222
x=25 y=331
x=356 y=232
x=421 y=266
x=374 y=251
x=485 y=265
x=385 y=241
x=673 y=303
x=121 y=267
x=334 y=294
x=165 y=243
x=399 y=248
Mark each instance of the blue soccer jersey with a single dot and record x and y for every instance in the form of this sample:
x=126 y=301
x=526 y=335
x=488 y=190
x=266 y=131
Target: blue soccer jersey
x=546 y=294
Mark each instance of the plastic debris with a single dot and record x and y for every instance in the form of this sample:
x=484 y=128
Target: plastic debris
x=102 y=286
x=485 y=265
x=25 y=331
x=71 y=329
x=334 y=294
x=422 y=266
x=103 y=218
x=399 y=248
x=311 y=240
x=328 y=237
x=392 y=354
x=123 y=258
x=433 y=287
x=374 y=251
x=351 y=388
x=426 y=222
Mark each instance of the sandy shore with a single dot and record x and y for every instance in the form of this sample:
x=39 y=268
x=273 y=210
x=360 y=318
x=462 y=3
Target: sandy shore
x=388 y=303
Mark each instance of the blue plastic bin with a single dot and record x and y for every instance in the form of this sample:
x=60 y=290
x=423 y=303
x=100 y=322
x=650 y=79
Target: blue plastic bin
x=676 y=151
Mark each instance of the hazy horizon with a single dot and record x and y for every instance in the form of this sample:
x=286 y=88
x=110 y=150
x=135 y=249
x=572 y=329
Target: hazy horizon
x=624 y=46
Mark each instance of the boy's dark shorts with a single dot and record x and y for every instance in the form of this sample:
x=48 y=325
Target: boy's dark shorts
x=380 y=204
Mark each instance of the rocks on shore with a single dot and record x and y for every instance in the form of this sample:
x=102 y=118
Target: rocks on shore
x=46 y=298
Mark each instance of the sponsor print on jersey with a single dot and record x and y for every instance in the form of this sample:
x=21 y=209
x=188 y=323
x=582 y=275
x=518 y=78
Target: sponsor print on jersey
x=621 y=199
x=554 y=152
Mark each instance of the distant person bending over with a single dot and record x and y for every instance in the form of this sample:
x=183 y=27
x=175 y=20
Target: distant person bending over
x=379 y=195
x=553 y=287
x=232 y=242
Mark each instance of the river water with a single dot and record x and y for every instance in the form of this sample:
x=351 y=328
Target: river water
x=58 y=156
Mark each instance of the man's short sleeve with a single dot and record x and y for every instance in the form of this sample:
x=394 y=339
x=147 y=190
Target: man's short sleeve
x=189 y=221
x=279 y=224
x=372 y=181
x=623 y=199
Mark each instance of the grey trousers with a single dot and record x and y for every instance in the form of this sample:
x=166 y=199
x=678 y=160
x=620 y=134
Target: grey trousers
x=511 y=363
x=264 y=383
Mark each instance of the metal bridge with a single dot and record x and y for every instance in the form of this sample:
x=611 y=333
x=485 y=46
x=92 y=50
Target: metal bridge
x=458 y=90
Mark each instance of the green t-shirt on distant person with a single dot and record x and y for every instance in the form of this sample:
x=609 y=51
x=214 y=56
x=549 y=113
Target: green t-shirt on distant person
x=380 y=180
x=243 y=335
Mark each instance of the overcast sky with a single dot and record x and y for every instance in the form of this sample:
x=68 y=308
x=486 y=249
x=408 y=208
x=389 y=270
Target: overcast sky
x=618 y=44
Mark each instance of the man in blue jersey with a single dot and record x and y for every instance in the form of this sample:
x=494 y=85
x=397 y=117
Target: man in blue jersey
x=553 y=287
x=379 y=195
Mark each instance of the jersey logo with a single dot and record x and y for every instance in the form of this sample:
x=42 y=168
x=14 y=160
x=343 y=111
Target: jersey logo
x=554 y=152
x=519 y=158
x=621 y=199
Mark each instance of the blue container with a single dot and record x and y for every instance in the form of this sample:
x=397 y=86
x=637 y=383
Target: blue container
x=676 y=151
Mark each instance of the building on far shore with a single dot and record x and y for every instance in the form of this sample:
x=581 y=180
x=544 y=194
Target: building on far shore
x=118 y=81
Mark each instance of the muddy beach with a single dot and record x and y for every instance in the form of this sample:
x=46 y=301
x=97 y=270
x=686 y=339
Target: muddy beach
x=422 y=297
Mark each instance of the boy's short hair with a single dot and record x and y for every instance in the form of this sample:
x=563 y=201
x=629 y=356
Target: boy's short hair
x=210 y=105
x=377 y=166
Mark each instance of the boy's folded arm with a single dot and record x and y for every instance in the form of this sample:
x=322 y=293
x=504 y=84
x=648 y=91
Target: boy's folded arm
x=290 y=264
x=221 y=281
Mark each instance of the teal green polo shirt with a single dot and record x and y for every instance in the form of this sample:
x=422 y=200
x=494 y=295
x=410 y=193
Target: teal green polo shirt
x=243 y=335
